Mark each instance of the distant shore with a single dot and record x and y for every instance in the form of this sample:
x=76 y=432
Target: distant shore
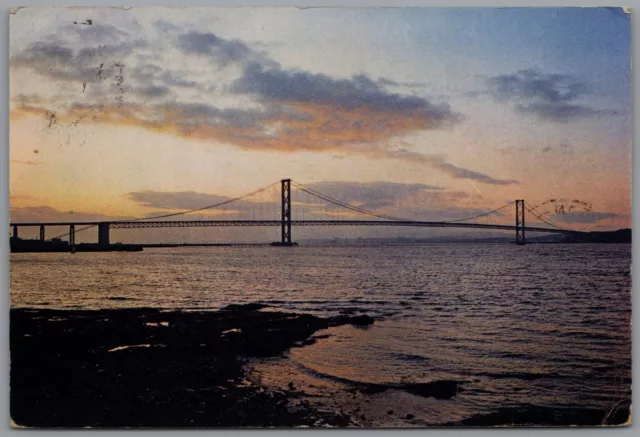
x=151 y=368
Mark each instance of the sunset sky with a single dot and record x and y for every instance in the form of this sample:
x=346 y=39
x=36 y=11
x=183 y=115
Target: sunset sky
x=421 y=113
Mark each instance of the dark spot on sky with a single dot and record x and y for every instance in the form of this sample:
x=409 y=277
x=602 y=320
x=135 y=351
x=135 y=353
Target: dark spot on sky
x=52 y=119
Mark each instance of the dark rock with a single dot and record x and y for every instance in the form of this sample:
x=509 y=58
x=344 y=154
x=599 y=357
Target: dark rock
x=437 y=389
x=409 y=416
x=341 y=419
x=361 y=320
x=244 y=307
x=390 y=412
x=123 y=368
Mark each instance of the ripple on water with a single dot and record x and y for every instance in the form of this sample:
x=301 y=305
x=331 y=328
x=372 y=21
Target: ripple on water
x=540 y=326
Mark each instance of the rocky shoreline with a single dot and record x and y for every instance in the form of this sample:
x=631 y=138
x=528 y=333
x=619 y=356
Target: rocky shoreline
x=150 y=368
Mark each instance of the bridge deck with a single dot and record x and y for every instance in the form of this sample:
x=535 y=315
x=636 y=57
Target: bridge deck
x=256 y=223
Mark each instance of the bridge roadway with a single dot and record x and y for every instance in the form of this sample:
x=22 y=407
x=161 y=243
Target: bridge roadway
x=236 y=223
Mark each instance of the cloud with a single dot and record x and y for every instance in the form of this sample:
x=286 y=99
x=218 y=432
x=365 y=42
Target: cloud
x=451 y=212
x=86 y=64
x=164 y=202
x=586 y=217
x=532 y=84
x=114 y=78
x=550 y=97
x=413 y=201
x=439 y=163
x=359 y=93
x=464 y=173
x=152 y=90
x=148 y=73
x=389 y=82
x=223 y=51
x=410 y=201
x=23 y=162
x=44 y=213
x=97 y=32
x=183 y=200
x=275 y=126
x=371 y=195
x=560 y=112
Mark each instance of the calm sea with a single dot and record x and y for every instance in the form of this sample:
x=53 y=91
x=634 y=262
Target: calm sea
x=544 y=325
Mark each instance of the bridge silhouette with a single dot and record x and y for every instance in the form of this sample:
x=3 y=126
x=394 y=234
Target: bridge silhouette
x=286 y=222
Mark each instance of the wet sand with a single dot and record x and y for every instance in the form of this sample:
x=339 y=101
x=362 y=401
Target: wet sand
x=151 y=368
x=434 y=404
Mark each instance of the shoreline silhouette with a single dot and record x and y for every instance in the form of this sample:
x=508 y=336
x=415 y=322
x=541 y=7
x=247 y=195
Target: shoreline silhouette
x=145 y=367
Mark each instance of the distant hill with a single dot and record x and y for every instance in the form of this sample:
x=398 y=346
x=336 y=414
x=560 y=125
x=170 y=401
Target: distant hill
x=619 y=236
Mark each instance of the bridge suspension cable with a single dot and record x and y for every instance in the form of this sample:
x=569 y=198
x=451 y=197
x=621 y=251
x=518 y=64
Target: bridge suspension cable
x=347 y=205
x=540 y=217
x=76 y=231
x=480 y=215
x=385 y=216
x=328 y=199
x=215 y=205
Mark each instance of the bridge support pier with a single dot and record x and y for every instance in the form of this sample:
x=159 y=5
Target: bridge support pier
x=72 y=236
x=103 y=234
x=520 y=237
x=42 y=233
x=285 y=223
x=15 y=231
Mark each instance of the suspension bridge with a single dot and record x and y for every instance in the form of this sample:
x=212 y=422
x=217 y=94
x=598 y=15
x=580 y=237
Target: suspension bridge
x=286 y=221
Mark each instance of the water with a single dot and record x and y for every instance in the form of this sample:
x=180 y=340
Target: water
x=545 y=325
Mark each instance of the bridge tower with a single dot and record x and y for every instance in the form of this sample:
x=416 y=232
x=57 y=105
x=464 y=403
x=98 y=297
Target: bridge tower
x=103 y=233
x=286 y=212
x=520 y=239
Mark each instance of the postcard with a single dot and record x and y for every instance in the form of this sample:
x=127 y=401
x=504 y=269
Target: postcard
x=320 y=218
